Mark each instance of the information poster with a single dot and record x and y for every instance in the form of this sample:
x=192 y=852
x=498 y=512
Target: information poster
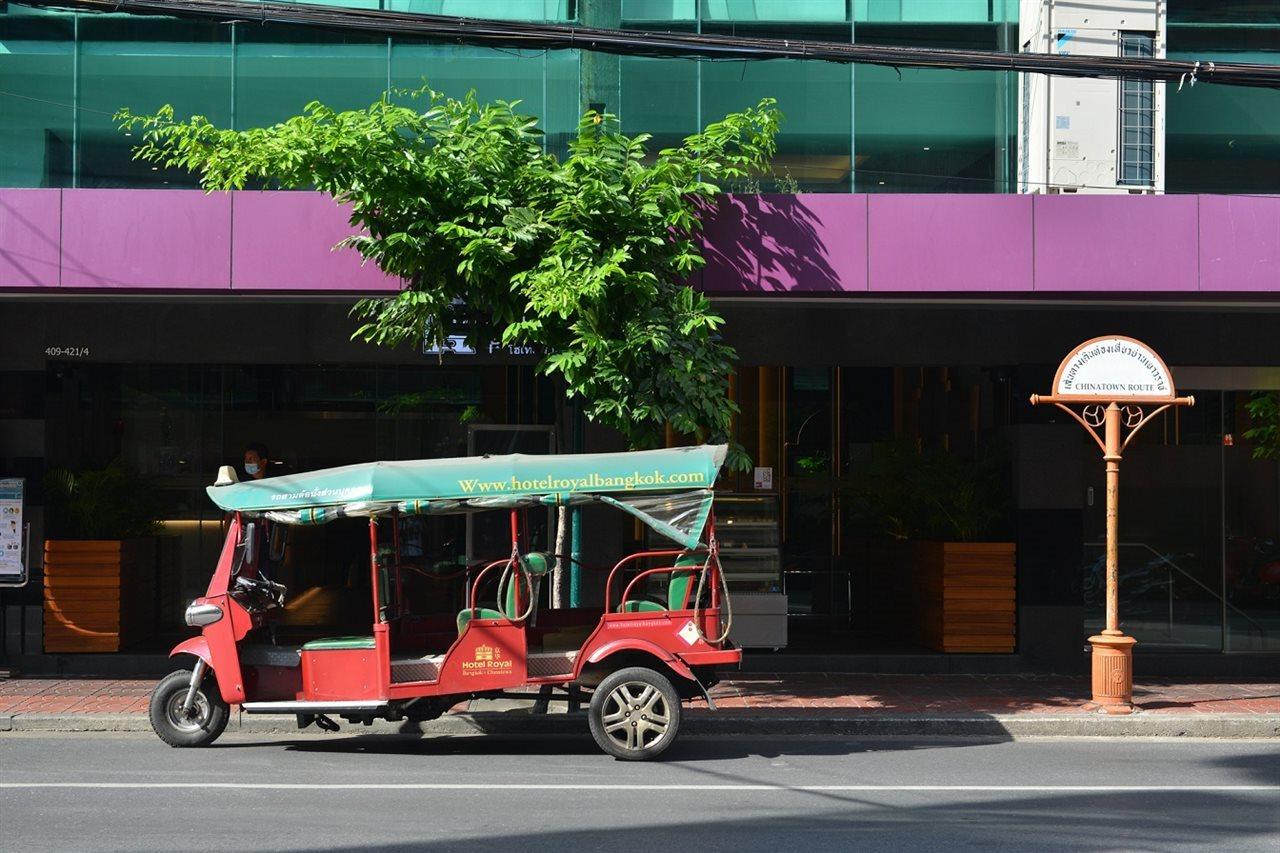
x=12 y=566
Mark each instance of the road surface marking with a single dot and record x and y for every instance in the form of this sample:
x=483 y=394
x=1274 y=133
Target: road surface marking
x=482 y=786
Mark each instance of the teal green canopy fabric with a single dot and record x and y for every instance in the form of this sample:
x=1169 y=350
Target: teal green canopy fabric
x=670 y=490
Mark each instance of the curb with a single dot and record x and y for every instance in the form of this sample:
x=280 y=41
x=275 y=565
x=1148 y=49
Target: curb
x=1232 y=726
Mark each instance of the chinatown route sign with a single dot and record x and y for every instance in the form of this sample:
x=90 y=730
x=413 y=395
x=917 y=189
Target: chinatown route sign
x=1113 y=368
x=1113 y=386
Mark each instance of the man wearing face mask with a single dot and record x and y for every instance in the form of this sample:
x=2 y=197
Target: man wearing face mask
x=256 y=460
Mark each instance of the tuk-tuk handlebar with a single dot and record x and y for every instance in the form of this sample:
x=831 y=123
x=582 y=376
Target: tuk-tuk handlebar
x=518 y=572
x=626 y=593
x=475 y=584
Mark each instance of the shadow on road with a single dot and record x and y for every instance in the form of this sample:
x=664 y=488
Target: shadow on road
x=688 y=749
x=1049 y=821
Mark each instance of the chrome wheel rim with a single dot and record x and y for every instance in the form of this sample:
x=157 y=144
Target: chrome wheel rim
x=192 y=720
x=636 y=716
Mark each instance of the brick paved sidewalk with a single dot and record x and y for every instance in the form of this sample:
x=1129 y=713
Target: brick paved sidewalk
x=815 y=694
x=982 y=694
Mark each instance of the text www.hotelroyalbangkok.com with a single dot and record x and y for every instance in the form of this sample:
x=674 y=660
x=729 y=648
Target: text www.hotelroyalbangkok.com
x=549 y=483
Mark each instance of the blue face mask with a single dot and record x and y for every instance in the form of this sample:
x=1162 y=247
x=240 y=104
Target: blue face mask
x=252 y=469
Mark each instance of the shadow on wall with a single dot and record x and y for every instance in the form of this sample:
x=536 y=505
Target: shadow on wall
x=767 y=243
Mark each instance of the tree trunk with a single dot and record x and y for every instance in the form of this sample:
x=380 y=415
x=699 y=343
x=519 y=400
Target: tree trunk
x=557 y=572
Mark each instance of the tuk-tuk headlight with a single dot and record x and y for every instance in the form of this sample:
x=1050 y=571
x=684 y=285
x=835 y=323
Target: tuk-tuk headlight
x=198 y=615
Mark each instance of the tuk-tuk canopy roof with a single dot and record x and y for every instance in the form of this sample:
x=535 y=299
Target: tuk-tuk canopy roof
x=629 y=481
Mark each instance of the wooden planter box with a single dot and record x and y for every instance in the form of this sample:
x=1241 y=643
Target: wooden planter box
x=99 y=596
x=964 y=596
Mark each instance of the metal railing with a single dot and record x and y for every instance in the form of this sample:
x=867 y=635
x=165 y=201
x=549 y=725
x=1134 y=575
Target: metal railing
x=1171 y=567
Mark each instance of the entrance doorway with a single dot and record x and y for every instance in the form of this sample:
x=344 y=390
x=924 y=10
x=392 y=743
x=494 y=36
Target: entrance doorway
x=1199 y=533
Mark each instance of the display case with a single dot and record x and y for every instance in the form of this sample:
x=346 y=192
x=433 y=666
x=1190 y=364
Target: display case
x=747 y=528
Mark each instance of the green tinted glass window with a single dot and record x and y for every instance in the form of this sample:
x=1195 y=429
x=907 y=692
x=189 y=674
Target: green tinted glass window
x=279 y=70
x=935 y=11
x=934 y=130
x=930 y=130
x=144 y=63
x=659 y=97
x=641 y=12
x=774 y=10
x=544 y=82
x=510 y=10
x=36 y=89
x=815 y=97
x=1223 y=139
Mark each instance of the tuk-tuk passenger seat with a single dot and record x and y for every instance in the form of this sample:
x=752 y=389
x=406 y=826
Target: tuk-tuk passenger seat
x=680 y=588
x=342 y=643
x=329 y=644
x=536 y=566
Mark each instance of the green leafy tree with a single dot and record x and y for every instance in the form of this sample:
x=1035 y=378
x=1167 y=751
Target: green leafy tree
x=586 y=259
x=1264 y=412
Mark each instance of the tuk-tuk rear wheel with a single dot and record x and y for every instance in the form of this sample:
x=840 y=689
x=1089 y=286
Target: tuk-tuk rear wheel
x=635 y=713
x=199 y=725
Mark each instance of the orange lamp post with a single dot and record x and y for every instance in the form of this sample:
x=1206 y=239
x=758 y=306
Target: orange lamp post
x=1112 y=386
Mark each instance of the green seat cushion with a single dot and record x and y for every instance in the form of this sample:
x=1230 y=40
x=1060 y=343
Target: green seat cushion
x=641 y=606
x=329 y=644
x=480 y=613
x=682 y=584
x=536 y=563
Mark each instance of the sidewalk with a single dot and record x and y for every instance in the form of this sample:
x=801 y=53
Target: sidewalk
x=771 y=704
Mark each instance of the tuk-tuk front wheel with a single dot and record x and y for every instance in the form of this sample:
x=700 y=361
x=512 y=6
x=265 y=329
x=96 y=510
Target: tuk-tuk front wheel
x=635 y=713
x=196 y=725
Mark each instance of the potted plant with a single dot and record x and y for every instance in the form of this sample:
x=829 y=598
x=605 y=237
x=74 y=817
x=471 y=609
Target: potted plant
x=99 y=559
x=951 y=571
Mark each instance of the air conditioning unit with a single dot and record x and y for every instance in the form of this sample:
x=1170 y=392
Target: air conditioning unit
x=1084 y=135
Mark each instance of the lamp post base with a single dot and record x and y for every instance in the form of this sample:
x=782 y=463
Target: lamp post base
x=1112 y=673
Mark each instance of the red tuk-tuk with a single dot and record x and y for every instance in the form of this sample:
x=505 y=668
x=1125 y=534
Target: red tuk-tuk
x=655 y=643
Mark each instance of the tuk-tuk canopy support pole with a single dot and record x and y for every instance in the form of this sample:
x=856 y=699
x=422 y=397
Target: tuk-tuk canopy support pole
x=373 y=570
x=395 y=560
x=575 y=515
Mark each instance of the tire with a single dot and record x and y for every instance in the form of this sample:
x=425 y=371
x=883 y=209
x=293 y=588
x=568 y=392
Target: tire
x=209 y=716
x=626 y=694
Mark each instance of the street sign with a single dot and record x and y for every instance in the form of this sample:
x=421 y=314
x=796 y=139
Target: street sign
x=1110 y=379
x=1113 y=367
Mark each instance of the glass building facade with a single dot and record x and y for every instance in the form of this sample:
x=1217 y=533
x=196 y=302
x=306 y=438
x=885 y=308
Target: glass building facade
x=847 y=128
x=1223 y=139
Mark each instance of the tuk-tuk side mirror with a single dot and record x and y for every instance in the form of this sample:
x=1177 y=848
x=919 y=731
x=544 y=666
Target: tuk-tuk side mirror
x=250 y=542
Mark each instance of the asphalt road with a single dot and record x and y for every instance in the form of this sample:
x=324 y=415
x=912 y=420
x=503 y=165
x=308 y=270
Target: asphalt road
x=367 y=793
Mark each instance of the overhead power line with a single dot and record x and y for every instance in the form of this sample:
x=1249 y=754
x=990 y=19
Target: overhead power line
x=514 y=34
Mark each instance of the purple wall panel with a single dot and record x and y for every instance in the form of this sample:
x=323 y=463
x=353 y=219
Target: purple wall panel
x=285 y=240
x=1115 y=243
x=949 y=243
x=810 y=244
x=174 y=239
x=29 y=242
x=1239 y=243
x=805 y=243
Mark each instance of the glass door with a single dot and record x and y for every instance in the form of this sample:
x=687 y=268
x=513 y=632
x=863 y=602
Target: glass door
x=1251 y=514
